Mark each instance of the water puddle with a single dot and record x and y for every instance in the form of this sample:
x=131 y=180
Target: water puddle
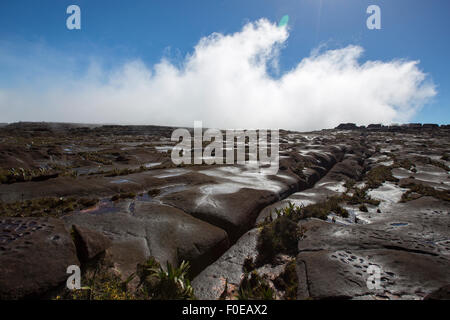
x=103 y=207
x=172 y=173
x=399 y=224
x=120 y=181
x=152 y=164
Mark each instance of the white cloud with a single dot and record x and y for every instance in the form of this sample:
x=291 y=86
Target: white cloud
x=225 y=83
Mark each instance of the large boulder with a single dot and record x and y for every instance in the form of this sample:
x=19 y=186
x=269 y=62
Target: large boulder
x=34 y=256
x=89 y=243
x=154 y=229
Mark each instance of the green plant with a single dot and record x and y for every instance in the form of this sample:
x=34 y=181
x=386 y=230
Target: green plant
x=322 y=209
x=101 y=284
x=170 y=284
x=349 y=184
x=378 y=175
x=44 y=207
x=424 y=190
x=254 y=287
x=360 y=196
x=95 y=157
x=287 y=281
x=280 y=236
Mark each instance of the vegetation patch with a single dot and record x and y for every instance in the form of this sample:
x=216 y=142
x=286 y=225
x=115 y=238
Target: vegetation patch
x=280 y=236
x=159 y=284
x=321 y=210
x=349 y=184
x=155 y=283
x=45 y=207
x=255 y=287
x=125 y=195
x=14 y=175
x=95 y=157
x=424 y=190
x=360 y=197
x=378 y=175
x=405 y=164
x=287 y=281
x=102 y=285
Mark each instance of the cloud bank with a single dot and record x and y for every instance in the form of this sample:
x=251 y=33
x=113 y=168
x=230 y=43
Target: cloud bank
x=226 y=83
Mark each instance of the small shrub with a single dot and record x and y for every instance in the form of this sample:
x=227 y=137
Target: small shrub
x=126 y=195
x=249 y=265
x=349 y=184
x=280 y=236
x=378 y=175
x=287 y=281
x=321 y=210
x=405 y=164
x=360 y=196
x=363 y=208
x=424 y=190
x=254 y=287
x=159 y=284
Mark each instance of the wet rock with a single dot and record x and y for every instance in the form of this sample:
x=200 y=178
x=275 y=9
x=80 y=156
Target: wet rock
x=157 y=230
x=34 y=256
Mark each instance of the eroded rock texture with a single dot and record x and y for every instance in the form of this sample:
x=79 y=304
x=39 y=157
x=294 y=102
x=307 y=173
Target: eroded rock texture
x=118 y=188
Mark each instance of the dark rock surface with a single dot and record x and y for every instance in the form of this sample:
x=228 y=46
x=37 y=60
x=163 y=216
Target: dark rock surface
x=34 y=256
x=337 y=258
x=151 y=229
x=89 y=243
x=147 y=206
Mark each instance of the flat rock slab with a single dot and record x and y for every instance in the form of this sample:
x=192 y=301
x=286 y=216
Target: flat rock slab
x=153 y=229
x=234 y=212
x=322 y=235
x=34 y=256
x=425 y=218
x=337 y=261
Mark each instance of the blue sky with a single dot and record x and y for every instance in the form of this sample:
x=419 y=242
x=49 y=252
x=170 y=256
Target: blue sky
x=119 y=31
